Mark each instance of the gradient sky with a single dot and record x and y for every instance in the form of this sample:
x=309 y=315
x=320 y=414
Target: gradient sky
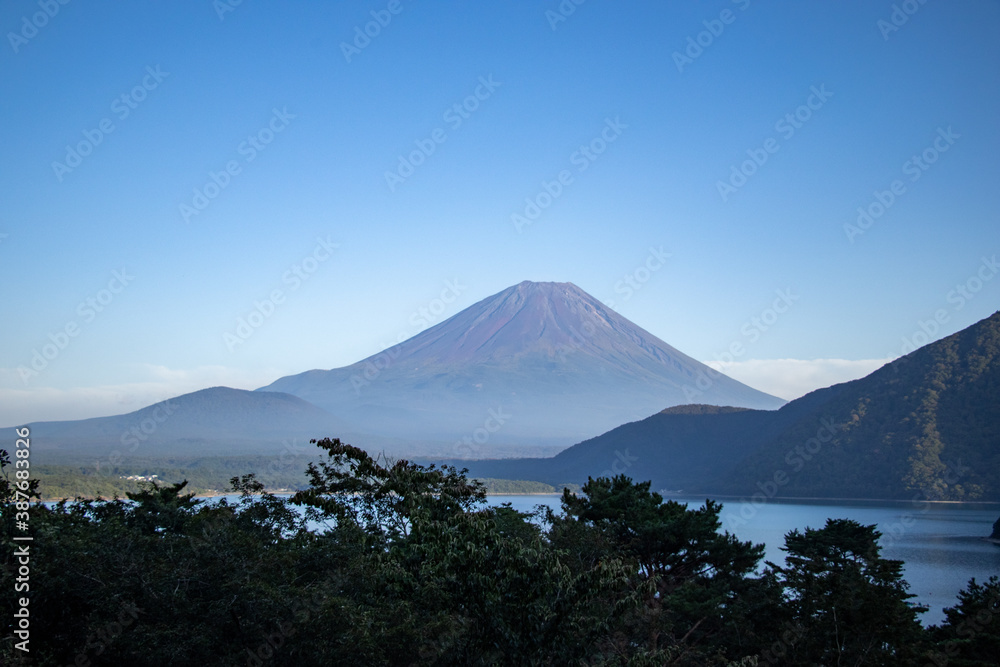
x=202 y=82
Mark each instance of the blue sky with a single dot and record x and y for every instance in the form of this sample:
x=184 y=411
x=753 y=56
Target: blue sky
x=218 y=155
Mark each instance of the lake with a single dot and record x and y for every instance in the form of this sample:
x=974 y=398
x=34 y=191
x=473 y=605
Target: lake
x=940 y=544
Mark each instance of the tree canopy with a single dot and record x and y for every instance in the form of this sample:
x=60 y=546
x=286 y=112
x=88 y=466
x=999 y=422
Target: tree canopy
x=385 y=562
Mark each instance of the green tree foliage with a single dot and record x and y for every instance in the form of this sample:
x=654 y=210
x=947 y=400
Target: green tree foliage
x=970 y=634
x=686 y=576
x=849 y=601
x=465 y=585
x=391 y=563
x=383 y=498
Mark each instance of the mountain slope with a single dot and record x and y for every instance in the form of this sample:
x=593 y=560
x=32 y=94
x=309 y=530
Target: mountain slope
x=680 y=449
x=926 y=426
x=215 y=421
x=552 y=358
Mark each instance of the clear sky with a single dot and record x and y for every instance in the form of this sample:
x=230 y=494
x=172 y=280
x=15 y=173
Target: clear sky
x=170 y=168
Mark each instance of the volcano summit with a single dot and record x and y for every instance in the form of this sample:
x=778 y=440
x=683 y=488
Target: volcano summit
x=538 y=363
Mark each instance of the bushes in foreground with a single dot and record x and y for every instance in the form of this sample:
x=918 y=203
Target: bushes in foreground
x=381 y=563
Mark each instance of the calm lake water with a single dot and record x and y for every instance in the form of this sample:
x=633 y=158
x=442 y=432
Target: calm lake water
x=941 y=545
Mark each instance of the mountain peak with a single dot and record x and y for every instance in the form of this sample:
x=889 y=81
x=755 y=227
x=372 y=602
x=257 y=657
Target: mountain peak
x=544 y=284
x=528 y=318
x=564 y=365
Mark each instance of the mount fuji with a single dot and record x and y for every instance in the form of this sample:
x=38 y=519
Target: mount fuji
x=540 y=363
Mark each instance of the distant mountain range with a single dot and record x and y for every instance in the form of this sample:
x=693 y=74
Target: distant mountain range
x=212 y=422
x=924 y=427
x=528 y=371
x=547 y=359
x=554 y=362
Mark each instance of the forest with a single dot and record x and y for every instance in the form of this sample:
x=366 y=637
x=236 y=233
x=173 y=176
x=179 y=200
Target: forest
x=383 y=562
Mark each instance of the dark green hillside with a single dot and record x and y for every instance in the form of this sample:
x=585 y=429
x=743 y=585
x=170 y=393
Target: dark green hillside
x=926 y=425
x=657 y=448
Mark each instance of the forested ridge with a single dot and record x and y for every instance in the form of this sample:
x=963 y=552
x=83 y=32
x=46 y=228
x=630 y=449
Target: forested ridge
x=393 y=563
x=924 y=426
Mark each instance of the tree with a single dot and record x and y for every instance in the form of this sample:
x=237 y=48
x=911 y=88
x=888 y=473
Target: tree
x=161 y=509
x=687 y=577
x=382 y=497
x=849 y=602
x=970 y=635
x=441 y=579
x=15 y=496
x=164 y=580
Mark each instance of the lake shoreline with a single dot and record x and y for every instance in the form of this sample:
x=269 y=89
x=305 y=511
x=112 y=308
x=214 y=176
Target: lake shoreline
x=810 y=499
x=686 y=496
